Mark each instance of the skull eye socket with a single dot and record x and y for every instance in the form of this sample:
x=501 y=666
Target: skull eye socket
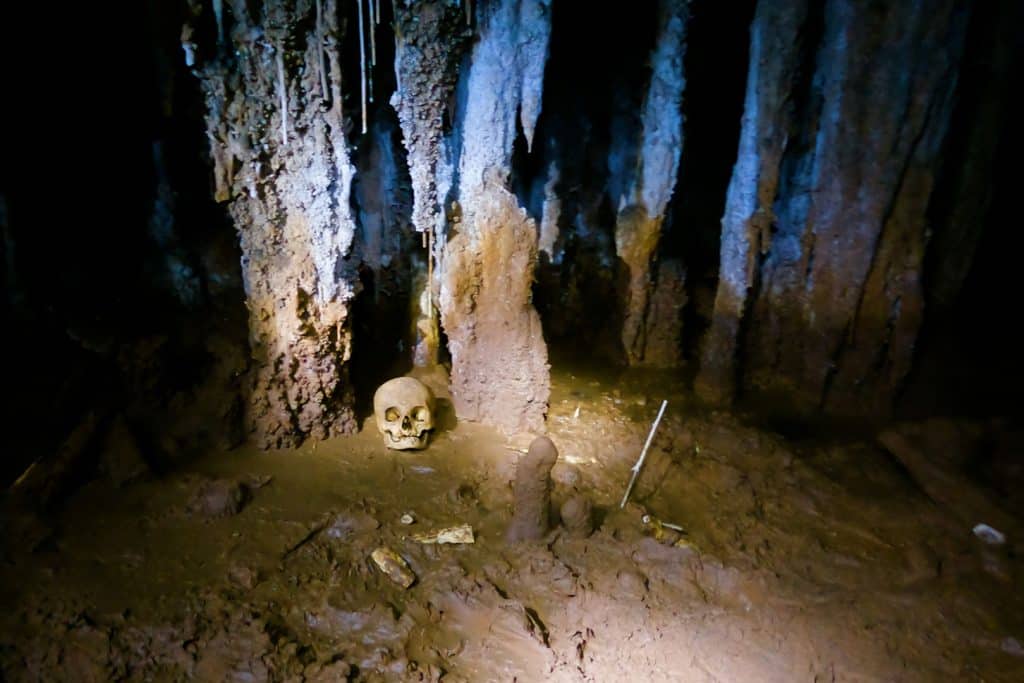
x=419 y=413
x=391 y=414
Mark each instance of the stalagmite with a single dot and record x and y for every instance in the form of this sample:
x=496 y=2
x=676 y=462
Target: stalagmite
x=824 y=231
x=532 y=492
x=294 y=223
x=500 y=373
x=642 y=209
x=577 y=515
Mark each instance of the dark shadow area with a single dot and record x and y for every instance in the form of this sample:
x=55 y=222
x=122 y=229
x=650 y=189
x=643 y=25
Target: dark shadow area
x=598 y=68
x=969 y=359
x=123 y=291
x=717 y=48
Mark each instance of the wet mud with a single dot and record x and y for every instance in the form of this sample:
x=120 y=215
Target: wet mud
x=742 y=555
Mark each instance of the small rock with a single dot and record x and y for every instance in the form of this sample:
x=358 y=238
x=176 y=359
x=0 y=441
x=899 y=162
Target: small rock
x=244 y=576
x=407 y=519
x=989 y=535
x=460 y=534
x=219 y=498
x=1012 y=646
x=328 y=672
x=393 y=566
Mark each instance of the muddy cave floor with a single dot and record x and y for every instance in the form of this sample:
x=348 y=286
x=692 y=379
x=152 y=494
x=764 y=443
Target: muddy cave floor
x=812 y=560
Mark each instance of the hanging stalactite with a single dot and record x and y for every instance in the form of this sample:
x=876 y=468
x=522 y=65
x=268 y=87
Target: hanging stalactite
x=429 y=44
x=362 y=62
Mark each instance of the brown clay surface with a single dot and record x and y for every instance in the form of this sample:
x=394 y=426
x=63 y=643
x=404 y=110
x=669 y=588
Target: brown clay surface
x=817 y=560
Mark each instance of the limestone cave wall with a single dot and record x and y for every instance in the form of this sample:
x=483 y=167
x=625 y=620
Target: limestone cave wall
x=799 y=204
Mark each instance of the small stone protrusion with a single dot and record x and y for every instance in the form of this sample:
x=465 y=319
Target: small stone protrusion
x=578 y=516
x=532 y=492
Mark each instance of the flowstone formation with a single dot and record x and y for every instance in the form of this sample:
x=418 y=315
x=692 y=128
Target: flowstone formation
x=272 y=85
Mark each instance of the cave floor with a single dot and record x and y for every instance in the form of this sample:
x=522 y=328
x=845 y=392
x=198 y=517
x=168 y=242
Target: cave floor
x=813 y=560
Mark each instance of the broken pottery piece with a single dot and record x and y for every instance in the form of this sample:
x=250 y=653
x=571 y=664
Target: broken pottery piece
x=462 y=533
x=393 y=566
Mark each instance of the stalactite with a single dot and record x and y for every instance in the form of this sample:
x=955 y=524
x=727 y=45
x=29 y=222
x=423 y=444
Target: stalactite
x=642 y=210
x=362 y=61
x=279 y=58
x=550 y=213
x=429 y=43
x=320 y=49
x=218 y=13
x=374 y=20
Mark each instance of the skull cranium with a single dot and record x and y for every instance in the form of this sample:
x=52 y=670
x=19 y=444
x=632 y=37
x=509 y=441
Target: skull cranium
x=404 y=410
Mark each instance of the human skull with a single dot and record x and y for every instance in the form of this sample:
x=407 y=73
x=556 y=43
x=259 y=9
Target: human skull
x=404 y=409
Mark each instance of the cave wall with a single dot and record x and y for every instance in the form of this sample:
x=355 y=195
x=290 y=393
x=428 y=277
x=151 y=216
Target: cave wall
x=861 y=220
x=820 y=294
x=519 y=193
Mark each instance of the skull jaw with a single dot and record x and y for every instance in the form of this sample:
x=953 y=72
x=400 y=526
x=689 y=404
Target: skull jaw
x=405 y=442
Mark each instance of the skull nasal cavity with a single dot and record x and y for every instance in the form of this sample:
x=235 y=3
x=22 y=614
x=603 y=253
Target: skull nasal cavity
x=406 y=423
